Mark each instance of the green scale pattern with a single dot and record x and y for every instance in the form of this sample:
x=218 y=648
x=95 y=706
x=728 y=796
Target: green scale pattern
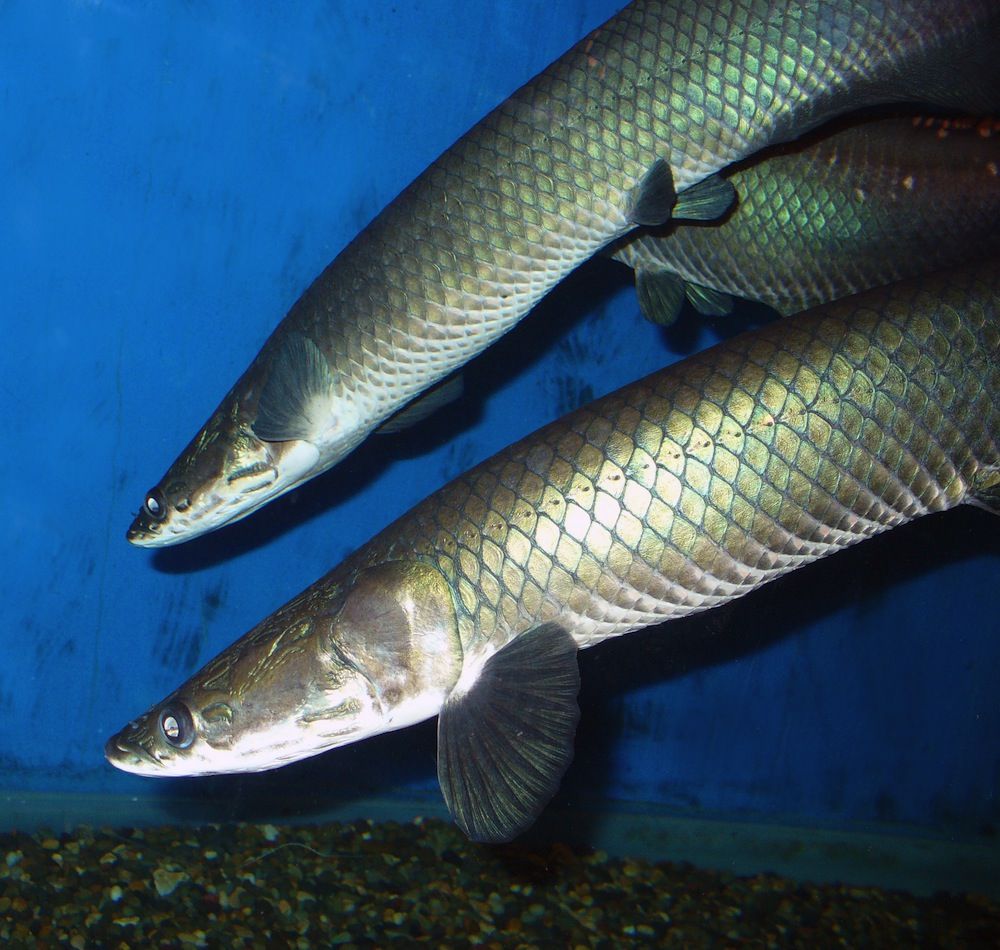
x=715 y=475
x=546 y=179
x=835 y=215
x=534 y=190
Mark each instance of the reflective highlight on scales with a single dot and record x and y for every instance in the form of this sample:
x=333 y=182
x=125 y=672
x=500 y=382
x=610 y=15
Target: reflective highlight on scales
x=630 y=127
x=675 y=494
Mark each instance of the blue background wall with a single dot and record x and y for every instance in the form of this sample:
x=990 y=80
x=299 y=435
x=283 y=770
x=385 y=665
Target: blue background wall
x=171 y=177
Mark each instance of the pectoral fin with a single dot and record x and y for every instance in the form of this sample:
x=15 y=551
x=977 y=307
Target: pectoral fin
x=506 y=739
x=296 y=400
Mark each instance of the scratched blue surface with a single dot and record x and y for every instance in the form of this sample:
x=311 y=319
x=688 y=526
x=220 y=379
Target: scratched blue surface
x=171 y=178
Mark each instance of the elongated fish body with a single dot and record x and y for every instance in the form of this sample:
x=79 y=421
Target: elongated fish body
x=831 y=216
x=629 y=127
x=675 y=494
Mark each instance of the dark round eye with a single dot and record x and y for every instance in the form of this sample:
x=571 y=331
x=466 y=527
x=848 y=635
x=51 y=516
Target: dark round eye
x=176 y=725
x=155 y=506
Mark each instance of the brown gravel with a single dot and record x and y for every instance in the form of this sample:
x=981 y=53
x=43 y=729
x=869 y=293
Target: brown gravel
x=362 y=884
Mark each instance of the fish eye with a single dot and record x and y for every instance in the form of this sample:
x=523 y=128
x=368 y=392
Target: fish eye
x=176 y=725
x=155 y=506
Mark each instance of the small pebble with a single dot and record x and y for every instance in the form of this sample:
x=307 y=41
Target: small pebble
x=361 y=884
x=166 y=881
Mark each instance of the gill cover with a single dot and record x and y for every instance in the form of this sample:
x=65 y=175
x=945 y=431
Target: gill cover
x=397 y=626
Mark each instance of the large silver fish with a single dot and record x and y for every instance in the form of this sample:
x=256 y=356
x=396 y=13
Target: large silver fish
x=627 y=128
x=832 y=216
x=675 y=494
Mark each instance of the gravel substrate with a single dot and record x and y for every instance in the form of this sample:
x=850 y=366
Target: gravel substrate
x=363 y=884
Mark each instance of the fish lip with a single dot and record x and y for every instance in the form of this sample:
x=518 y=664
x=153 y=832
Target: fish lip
x=136 y=534
x=145 y=539
x=143 y=531
x=126 y=754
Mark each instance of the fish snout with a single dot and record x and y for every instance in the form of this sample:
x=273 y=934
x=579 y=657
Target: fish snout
x=136 y=748
x=141 y=532
x=148 y=523
x=127 y=751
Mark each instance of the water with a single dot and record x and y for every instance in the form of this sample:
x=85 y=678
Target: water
x=171 y=181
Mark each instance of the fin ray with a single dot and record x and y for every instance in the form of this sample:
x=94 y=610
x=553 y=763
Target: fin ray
x=985 y=489
x=505 y=743
x=706 y=201
x=299 y=390
x=708 y=301
x=652 y=200
x=661 y=295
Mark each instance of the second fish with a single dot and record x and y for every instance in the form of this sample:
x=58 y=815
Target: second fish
x=628 y=128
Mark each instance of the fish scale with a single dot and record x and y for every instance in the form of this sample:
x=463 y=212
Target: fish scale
x=829 y=216
x=535 y=198
x=533 y=190
x=675 y=494
x=707 y=479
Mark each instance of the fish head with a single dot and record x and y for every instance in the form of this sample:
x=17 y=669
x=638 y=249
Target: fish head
x=288 y=419
x=224 y=474
x=331 y=667
x=247 y=712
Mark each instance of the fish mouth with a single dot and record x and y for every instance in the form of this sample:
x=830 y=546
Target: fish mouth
x=131 y=756
x=144 y=533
